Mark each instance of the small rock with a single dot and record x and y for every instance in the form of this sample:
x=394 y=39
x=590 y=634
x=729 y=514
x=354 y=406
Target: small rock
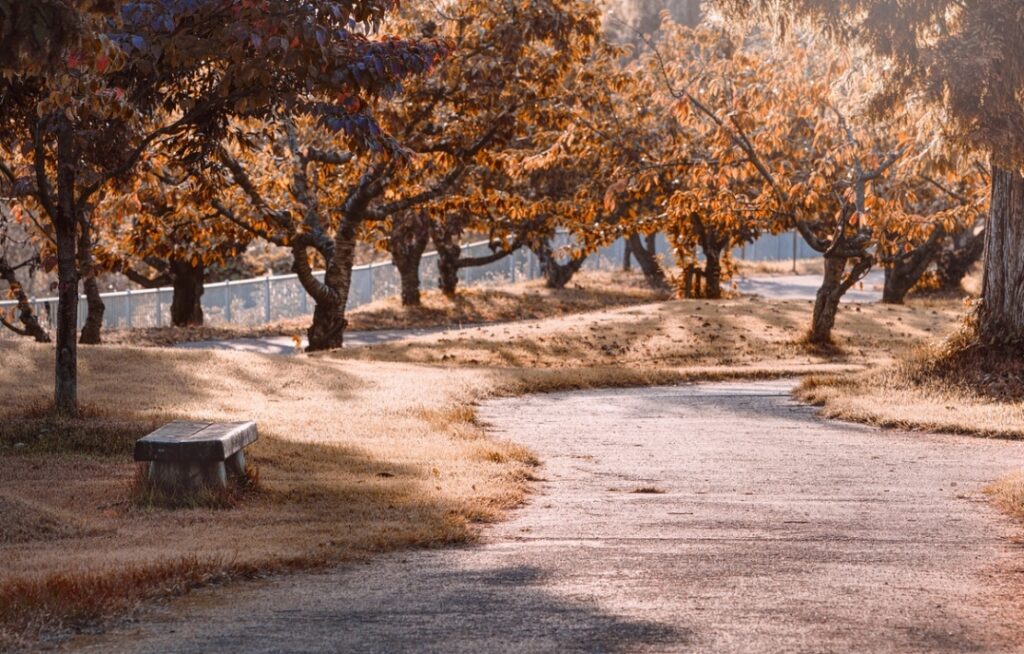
x=18 y=446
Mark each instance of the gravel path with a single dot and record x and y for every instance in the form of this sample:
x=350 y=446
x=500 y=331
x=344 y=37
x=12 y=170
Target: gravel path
x=762 y=529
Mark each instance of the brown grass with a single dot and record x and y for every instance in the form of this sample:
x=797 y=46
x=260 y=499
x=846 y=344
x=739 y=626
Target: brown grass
x=954 y=385
x=810 y=266
x=588 y=291
x=1008 y=494
x=360 y=451
x=747 y=333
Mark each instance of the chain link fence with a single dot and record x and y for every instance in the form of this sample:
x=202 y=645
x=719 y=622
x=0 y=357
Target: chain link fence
x=263 y=300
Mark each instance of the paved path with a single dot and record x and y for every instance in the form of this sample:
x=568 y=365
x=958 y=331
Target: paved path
x=769 y=531
x=805 y=287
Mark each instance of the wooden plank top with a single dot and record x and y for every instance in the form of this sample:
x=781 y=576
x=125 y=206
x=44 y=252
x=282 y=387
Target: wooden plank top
x=186 y=440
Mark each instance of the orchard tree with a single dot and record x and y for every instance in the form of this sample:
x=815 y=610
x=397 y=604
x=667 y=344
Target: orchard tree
x=967 y=59
x=75 y=127
x=18 y=256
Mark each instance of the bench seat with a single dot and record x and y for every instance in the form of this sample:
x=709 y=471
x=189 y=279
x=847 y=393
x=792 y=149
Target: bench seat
x=188 y=456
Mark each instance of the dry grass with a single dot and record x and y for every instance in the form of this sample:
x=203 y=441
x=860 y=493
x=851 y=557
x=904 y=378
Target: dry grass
x=354 y=458
x=360 y=451
x=954 y=385
x=588 y=291
x=1008 y=494
x=742 y=333
x=812 y=266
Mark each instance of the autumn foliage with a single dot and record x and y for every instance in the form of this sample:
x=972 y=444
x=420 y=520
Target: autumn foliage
x=156 y=139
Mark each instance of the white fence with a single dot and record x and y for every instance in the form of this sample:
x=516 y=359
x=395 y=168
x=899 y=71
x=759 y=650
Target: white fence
x=267 y=299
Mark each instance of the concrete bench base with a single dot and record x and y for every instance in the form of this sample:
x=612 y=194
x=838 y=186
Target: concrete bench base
x=191 y=457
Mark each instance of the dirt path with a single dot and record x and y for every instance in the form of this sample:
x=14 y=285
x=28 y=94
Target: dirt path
x=764 y=530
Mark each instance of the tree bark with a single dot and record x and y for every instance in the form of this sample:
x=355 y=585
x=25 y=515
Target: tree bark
x=627 y=258
x=93 y=327
x=648 y=262
x=448 y=252
x=1002 y=296
x=833 y=286
x=956 y=258
x=26 y=316
x=712 y=272
x=327 y=331
x=904 y=271
x=66 y=368
x=64 y=216
x=407 y=242
x=186 y=304
x=556 y=275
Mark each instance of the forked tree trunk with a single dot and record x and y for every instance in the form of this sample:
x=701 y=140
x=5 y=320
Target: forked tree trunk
x=187 y=302
x=407 y=242
x=835 y=283
x=957 y=257
x=1002 y=295
x=327 y=331
x=648 y=261
x=905 y=271
x=93 y=327
x=826 y=303
x=25 y=315
x=556 y=275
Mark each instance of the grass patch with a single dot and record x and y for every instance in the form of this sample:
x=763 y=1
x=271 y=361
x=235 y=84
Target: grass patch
x=953 y=386
x=649 y=490
x=1008 y=494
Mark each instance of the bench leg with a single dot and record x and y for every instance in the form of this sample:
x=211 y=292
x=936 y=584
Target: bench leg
x=236 y=466
x=175 y=478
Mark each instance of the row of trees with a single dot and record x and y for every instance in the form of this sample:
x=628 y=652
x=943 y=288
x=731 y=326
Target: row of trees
x=158 y=139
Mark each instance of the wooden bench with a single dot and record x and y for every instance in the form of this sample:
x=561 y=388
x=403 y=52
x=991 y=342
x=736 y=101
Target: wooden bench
x=187 y=456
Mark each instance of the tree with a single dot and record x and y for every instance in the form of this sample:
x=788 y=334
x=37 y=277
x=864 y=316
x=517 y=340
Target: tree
x=28 y=261
x=945 y=200
x=824 y=169
x=78 y=126
x=967 y=59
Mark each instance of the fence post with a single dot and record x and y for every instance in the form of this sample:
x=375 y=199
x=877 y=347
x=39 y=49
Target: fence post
x=128 y=301
x=227 y=301
x=794 y=251
x=266 y=299
x=159 y=309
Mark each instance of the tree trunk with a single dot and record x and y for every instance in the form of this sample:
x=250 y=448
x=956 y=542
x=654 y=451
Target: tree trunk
x=1002 y=296
x=448 y=252
x=93 y=327
x=64 y=217
x=906 y=270
x=556 y=275
x=834 y=285
x=328 y=329
x=955 y=260
x=627 y=259
x=186 y=304
x=409 y=273
x=66 y=370
x=712 y=273
x=649 y=265
x=25 y=315
x=826 y=303
x=407 y=241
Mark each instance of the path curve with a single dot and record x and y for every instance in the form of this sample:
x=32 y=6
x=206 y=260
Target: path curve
x=767 y=530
